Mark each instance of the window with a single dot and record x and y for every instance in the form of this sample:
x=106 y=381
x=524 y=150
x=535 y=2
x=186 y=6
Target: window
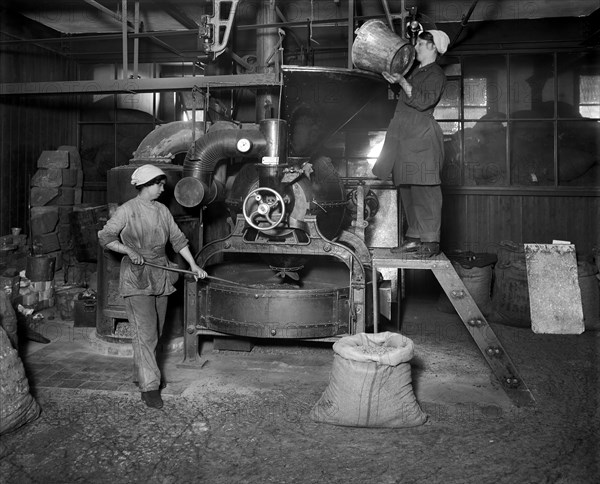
x=589 y=96
x=523 y=120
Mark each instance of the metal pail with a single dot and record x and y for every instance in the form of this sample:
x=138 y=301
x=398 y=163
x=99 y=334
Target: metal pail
x=378 y=49
x=40 y=268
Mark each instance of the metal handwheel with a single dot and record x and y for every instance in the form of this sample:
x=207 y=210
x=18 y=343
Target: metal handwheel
x=266 y=208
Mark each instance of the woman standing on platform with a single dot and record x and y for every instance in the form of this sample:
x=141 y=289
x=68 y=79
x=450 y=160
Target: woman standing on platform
x=413 y=151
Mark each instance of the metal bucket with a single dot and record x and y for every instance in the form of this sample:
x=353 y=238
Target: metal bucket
x=378 y=49
x=65 y=300
x=40 y=268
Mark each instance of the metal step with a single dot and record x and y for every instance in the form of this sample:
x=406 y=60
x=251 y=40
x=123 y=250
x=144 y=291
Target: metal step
x=473 y=319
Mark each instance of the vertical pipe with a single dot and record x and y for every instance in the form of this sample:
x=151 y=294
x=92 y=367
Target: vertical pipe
x=124 y=32
x=266 y=43
x=556 y=147
x=375 y=297
x=388 y=15
x=136 y=41
x=350 y=31
x=403 y=16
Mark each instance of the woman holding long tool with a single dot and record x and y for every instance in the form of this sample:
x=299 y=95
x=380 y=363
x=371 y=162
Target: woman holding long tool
x=140 y=228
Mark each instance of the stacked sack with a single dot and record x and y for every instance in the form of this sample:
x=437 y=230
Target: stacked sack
x=18 y=406
x=55 y=188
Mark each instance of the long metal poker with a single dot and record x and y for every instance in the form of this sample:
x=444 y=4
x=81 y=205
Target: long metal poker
x=191 y=273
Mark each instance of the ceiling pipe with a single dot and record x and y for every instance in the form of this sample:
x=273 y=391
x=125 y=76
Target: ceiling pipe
x=463 y=23
x=341 y=22
x=124 y=34
x=136 y=41
x=388 y=15
x=266 y=46
x=350 y=31
x=168 y=140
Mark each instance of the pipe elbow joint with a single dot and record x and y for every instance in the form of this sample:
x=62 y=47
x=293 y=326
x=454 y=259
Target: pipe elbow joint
x=197 y=185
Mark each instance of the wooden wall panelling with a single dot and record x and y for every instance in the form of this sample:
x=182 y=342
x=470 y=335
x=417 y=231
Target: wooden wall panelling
x=29 y=126
x=480 y=222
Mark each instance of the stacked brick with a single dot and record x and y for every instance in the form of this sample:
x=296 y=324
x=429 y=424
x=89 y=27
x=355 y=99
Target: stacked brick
x=56 y=188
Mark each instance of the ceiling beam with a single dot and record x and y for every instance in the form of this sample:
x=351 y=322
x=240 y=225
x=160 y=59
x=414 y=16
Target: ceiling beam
x=592 y=38
x=176 y=14
x=135 y=86
x=119 y=18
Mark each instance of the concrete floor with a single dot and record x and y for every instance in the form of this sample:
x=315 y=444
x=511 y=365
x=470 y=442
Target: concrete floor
x=244 y=416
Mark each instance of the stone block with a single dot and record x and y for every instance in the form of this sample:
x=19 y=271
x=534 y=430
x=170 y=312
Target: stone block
x=44 y=219
x=74 y=158
x=70 y=177
x=64 y=214
x=41 y=196
x=54 y=159
x=46 y=243
x=65 y=236
x=47 y=177
x=66 y=196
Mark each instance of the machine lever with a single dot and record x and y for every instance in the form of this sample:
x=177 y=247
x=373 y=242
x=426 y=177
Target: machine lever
x=191 y=273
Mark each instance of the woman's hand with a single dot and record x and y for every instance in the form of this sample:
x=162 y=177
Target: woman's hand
x=398 y=79
x=136 y=258
x=392 y=78
x=200 y=273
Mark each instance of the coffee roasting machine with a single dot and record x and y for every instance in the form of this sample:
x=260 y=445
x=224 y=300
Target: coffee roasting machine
x=294 y=239
x=292 y=261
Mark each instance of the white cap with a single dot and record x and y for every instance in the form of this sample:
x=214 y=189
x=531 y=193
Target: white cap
x=145 y=173
x=441 y=40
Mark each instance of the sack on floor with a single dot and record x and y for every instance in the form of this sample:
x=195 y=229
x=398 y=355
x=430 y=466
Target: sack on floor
x=18 y=407
x=370 y=384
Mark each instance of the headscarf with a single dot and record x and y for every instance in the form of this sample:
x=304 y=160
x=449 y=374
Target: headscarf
x=145 y=173
x=441 y=40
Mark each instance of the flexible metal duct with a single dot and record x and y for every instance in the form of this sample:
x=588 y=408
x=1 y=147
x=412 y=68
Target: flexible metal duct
x=163 y=143
x=267 y=139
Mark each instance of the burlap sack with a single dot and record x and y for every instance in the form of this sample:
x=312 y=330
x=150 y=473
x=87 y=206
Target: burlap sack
x=370 y=384
x=17 y=406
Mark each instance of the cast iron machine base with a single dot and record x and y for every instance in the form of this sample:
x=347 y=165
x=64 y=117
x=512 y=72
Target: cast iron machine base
x=306 y=242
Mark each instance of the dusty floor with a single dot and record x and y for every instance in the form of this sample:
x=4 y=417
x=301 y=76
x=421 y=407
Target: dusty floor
x=244 y=417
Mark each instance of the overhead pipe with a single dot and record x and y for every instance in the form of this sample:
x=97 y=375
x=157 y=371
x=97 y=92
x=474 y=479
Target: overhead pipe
x=350 y=32
x=124 y=41
x=166 y=141
x=463 y=23
x=388 y=15
x=136 y=41
x=266 y=45
x=267 y=141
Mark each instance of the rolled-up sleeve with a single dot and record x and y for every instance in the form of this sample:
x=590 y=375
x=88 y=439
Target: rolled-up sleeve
x=113 y=227
x=176 y=236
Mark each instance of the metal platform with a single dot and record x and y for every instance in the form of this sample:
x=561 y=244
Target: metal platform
x=467 y=309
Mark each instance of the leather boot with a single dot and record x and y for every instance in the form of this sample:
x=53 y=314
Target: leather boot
x=428 y=249
x=152 y=399
x=163 y=384
x=411 y=244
